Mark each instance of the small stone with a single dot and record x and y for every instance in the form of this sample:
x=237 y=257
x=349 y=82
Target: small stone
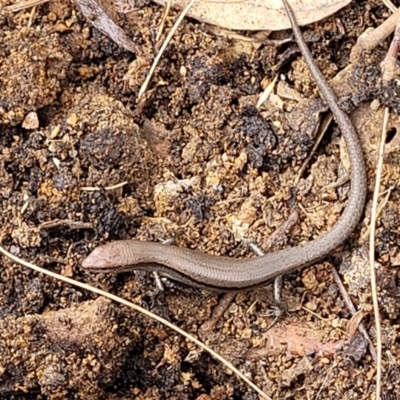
x=55 y=132
x=31 y=121
x=72 y=119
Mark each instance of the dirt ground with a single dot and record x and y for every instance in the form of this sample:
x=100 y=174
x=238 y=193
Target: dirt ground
x=82 y=162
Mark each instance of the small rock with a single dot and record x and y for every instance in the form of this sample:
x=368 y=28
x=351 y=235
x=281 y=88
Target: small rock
x=31 y=121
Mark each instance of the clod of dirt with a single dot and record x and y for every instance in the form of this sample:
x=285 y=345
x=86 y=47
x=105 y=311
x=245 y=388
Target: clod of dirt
x=76 y=350
x=32 y=84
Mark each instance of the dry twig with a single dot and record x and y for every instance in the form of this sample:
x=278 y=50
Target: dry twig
x=24 y=4
x=372 y=256
x=163 y=47
x=324 y=126
x=352 y=309
x=372 y=38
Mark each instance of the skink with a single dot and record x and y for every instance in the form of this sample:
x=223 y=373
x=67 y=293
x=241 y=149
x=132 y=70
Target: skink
x=223 y=274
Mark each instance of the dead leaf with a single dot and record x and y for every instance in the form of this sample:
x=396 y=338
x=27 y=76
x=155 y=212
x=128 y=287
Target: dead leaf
x=258 y=14
x=355 y=322
x=297 y=338
x=100 y=19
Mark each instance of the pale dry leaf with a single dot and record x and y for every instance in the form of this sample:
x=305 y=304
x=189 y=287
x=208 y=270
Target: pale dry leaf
x=258 y=14
x=99 y=18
